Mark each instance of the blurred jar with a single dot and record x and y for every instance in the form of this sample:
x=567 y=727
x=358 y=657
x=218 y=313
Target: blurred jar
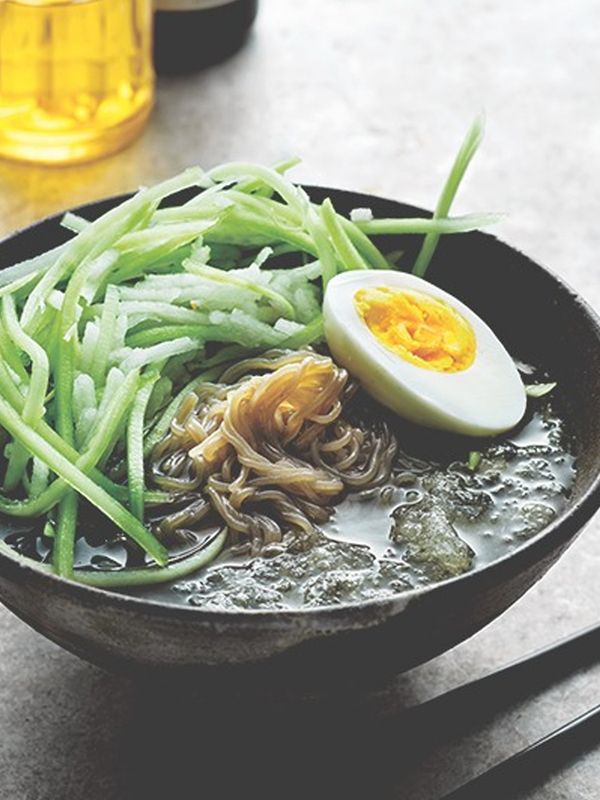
x=76 y=78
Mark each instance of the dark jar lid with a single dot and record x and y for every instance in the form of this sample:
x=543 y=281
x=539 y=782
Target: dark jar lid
x=191 y=34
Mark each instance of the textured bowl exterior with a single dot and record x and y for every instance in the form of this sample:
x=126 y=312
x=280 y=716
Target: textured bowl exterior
x=537 y=316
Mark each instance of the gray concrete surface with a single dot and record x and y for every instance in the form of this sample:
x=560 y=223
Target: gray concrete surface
x=375 y=95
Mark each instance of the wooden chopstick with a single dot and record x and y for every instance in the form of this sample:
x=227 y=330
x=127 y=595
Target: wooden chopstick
x=536 y=762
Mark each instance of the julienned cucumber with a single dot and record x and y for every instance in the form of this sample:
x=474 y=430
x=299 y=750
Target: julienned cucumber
x=101 y=338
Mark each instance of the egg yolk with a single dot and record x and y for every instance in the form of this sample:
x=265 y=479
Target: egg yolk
x=421 y=329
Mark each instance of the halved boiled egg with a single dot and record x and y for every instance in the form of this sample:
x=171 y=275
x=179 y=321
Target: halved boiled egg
x=422 y=353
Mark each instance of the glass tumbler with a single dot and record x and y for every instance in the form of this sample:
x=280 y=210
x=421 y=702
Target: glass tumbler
x=76 y=77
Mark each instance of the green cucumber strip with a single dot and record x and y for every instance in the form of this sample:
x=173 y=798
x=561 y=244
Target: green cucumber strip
x=73 y=222
x=148 y=576
x=31 y=268
x=11 y=357
x=97 y=447
x=348 y=255
x=418 y=225
x=63 y=547
x=140 y=576
x=363 y=244
x=79 y=481
x=277 y=300
x=100 y=235
x=135 y=447
x=468 y=149
x=33 y=408
x=267 y=176
x=324 y=249
x=108 y=320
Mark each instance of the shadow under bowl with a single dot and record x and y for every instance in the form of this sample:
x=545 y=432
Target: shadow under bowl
x=538 y=318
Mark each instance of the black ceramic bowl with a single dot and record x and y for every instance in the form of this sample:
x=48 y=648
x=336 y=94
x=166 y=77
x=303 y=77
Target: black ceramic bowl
x=539 y=319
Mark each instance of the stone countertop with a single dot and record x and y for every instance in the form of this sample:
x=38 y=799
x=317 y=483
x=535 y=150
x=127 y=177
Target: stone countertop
x=376 y=96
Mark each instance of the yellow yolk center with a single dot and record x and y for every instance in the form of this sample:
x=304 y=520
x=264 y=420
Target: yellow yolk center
x=421 y=329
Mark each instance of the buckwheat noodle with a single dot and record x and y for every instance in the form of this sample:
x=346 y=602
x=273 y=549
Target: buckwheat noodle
x=269 y=451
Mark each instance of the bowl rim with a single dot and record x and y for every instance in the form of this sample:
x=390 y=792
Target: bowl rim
x=566 y=525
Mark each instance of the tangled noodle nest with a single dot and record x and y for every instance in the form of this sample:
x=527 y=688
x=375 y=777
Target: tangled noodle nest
x=268 y=450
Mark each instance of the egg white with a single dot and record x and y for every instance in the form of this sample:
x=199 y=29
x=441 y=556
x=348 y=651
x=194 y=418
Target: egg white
x=485 y=399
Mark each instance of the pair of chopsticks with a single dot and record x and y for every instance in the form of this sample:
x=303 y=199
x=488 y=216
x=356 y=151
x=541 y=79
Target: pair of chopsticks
x=439 y=718
x=527 y=766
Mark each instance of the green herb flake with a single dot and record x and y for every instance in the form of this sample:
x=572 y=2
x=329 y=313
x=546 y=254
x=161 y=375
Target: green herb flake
x=474 y=460
x=539 y=389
